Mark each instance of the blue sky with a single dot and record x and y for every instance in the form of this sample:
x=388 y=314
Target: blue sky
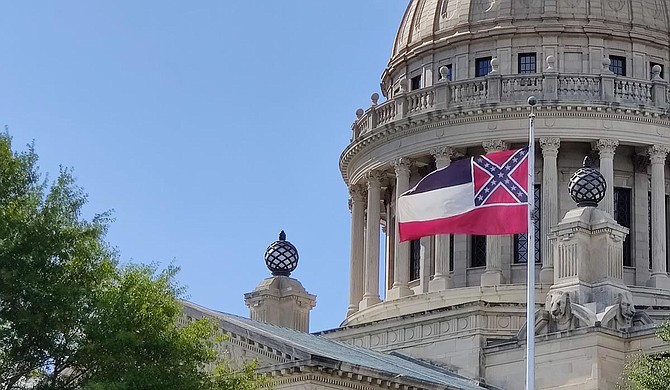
x=207 y=126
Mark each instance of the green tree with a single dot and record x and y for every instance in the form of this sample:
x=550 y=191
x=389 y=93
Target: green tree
x=71 y=318
x=649 y=371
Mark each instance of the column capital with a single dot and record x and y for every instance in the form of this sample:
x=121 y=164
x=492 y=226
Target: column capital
x=374 y=179
x=640 y=163
x=442 y=153
x=495 y=145
x=357 y=192
x=657 y=153
x=607 y=146
x=550 y=146
x=401 y=165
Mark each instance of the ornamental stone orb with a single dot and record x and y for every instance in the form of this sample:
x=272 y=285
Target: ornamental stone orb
x=587 y=186
x=281 y=257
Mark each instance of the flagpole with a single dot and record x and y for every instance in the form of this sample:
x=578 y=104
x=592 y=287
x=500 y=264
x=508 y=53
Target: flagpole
x=530 y=259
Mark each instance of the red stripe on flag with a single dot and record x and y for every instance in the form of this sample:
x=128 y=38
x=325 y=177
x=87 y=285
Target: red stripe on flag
x=492 y=220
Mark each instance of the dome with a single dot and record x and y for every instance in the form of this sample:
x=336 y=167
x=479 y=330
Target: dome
x=430 y=25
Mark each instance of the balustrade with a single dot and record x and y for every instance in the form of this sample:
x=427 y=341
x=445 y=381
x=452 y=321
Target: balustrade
x=496 y=89
x=385 y=112
x=579 y=87
x=632 y=91
x=420 y=100
x=468 y=92
x=518 y=88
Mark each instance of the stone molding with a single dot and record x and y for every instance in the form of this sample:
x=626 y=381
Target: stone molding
x=475 y=317
x=338 y=377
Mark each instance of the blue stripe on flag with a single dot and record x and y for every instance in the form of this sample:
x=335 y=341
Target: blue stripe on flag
x=459 y=172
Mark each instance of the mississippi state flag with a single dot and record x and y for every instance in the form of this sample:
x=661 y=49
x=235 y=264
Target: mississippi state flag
x=485 y=195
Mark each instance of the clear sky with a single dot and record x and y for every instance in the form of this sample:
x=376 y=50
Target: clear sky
x=207 y=126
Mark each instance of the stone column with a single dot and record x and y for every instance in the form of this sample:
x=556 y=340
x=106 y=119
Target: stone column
x=401 y=264
x=640 y=229
x=493 y=275
x=357 y=261
x=371 y=296
x=549 y=207
x=442 y=279
x=606 y=148
x=659 y=276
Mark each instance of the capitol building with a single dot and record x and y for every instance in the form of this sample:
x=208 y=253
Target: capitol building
x=449 y=311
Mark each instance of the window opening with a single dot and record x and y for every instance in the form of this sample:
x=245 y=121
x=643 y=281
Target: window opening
x=622 y=215
x=414 y=259
x=527 y=63
x=521 y=240
x=415 y=82
x=478 y=251
x=618 y=65
x=482 y=66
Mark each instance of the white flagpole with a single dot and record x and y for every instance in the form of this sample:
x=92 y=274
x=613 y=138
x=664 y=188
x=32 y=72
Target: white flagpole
x=530 y=253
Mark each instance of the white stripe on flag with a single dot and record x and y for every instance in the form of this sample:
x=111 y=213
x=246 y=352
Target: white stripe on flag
x=436 y=204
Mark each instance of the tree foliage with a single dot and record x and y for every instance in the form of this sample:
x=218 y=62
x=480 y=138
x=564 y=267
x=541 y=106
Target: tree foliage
x=71 y=318
x=649 y=371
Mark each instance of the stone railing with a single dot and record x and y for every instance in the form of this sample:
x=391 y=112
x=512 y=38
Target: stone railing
x=495 y=89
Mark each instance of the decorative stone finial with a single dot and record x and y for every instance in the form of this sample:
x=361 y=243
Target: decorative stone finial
x=403 y=85
x=551 y=61
x=587 y=186
x=359 y=113
x=495 y=66
x=374 y=98
x=444 y=73
x=281 y=257
x=606 y=65
x=656 y=72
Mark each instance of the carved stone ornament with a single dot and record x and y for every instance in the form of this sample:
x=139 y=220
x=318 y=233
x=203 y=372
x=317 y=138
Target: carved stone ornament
x=495 y=145
x=402 y=165
x=550 y=146
x=442 y=153
x=607 y=146
x=640 y=163
x=560 y=312
x=357 y=192
x=657 y=153
x=374 y=179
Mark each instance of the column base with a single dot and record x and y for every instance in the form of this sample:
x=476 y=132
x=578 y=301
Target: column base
x=399 y=291
x=547 y=275
x=659 y=281
x=369 y=300
x=440 y=283
x=492 y=278
x=351 y=310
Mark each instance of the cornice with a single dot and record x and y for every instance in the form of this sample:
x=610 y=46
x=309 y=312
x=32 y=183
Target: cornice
x=446 y=118
x=333 y=377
